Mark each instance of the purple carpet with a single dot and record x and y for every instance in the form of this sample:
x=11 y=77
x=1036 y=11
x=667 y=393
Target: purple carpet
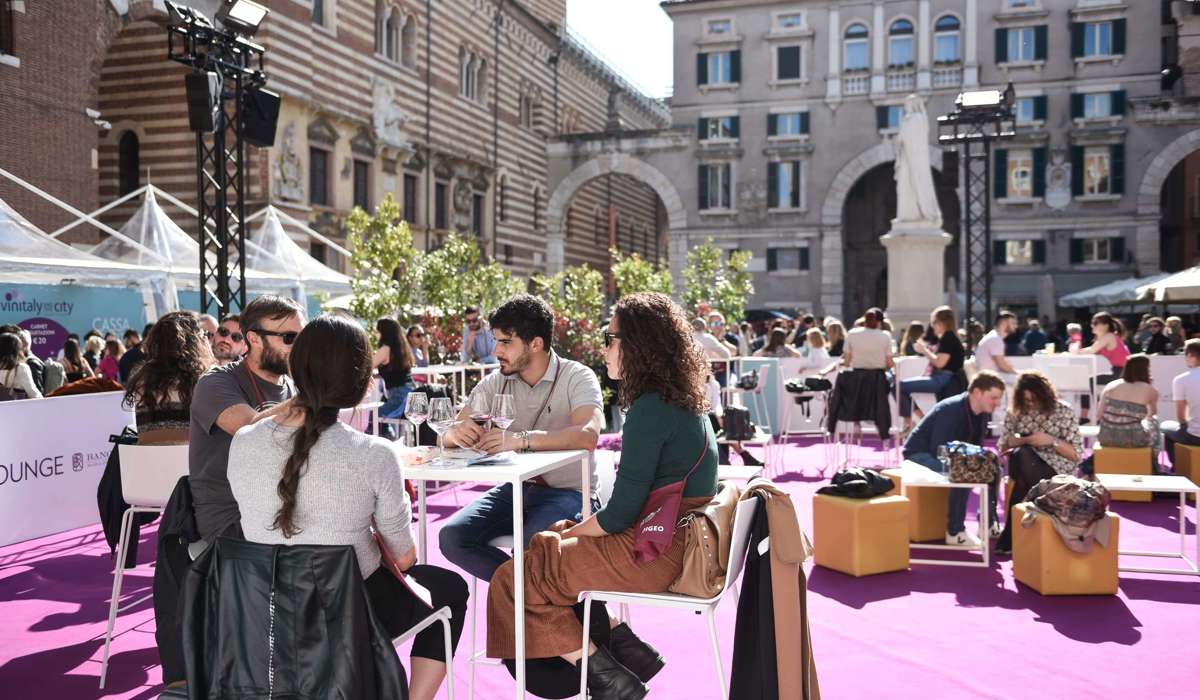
x=929 y=633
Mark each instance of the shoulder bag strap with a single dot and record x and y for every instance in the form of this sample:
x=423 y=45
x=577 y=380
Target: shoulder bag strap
x=254 y=385
x=706 y=426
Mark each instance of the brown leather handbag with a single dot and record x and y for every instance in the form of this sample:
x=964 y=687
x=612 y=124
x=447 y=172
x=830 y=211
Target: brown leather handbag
x=706 y=550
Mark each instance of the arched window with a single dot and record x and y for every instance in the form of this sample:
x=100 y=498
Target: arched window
x=480 y=80
x=945 y=40
x=472 y=75
x=128 y=163
x=856 y=50
x=900 y=44
x=391 y=35
x=408 y=42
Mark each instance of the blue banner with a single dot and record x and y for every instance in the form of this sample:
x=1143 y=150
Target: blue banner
x=50 y=312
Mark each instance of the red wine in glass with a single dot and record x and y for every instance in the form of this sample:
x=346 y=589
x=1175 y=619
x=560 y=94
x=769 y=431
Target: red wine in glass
x=483 y=420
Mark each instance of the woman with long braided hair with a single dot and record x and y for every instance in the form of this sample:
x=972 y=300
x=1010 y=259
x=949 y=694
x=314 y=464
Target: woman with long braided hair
x=302 y=477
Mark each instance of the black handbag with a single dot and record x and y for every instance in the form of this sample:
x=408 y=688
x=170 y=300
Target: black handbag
x=737 y=423
x=748 y=381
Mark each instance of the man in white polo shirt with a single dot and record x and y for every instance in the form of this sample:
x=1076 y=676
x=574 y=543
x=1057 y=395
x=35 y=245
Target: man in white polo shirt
x=557 y=406
x=1185 y=388
x=989 y=354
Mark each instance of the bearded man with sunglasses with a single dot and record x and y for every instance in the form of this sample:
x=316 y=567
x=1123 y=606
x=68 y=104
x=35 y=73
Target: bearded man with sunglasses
x=231 y=396
x=229 y=344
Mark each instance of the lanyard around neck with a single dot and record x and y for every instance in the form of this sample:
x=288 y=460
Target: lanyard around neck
x=545 y=402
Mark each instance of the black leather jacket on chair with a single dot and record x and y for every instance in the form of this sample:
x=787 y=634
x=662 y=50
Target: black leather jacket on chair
x=271 y=621
x=861 y=395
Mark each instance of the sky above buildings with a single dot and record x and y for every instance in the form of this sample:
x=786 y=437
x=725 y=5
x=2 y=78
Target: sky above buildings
x=633 y=36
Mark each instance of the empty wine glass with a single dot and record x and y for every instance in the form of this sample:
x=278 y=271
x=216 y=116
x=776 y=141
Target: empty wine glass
x=502 y=413
x=481 y=410
x=441 y=418
x=416 y=408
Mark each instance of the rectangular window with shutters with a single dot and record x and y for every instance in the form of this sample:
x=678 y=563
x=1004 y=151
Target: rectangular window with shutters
x=888 y=116
x=1097 y=39
x=787 y=124
x=718 y=128
x=1021 y=44
x=477 y=211
x=787 y=63
x=1096 y=250
x=785 y=185
x=788 y=260
x=1019 y=252
x=410 y=198
x=1097 y=169
x=1020 y=173
x=1030 y=110
x=720 y=67
x=362 y=185
x=318 y=177
x=716 y=186
x=1097 y=105
x=440 y=192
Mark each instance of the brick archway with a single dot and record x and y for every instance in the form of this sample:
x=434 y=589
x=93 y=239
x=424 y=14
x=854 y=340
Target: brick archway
x=1149 y=210
x=621 y=164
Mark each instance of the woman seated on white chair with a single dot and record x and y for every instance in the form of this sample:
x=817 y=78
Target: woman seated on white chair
x=818 y=357
x=301 y=477
x=663 y=374
x=16 y=379
x=159 y=391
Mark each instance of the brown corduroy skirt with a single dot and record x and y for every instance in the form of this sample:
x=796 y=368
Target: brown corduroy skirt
x=557 y=570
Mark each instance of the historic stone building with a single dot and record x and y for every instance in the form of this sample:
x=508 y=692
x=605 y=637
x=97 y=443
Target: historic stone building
x=448 y=106
x=792 y=106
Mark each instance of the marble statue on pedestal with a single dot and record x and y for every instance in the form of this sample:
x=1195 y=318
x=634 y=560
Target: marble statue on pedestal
x=916 y=199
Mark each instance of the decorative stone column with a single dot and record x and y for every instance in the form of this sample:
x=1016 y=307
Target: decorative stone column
x=916 y=269
x=924 y=38
x=677 y=250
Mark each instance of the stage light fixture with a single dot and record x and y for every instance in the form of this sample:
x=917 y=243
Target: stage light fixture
x=242 y=16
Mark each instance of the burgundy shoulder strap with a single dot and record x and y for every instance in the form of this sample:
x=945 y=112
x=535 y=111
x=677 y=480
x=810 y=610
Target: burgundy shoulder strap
x=703 y=453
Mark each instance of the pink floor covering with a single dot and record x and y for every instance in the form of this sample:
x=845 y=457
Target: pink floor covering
x=928 y=633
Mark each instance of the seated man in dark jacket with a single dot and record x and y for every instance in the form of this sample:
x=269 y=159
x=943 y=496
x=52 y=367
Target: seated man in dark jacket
x=963 y=418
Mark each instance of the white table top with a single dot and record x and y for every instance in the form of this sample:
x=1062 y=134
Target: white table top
x=737 y=471
x=525 y=465
x=1157 y=482
x=1089 y=431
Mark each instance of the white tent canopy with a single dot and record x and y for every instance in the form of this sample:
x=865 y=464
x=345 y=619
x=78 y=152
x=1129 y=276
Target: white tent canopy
x=1119 y=292
x=271 y=249
x=1180 y=287
x=29 y=254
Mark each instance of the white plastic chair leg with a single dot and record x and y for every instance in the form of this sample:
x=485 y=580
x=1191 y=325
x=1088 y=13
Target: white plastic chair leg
x=446 y=636
x=118 y=574
x=471 y=652
x=583 y=663
x=716 y=647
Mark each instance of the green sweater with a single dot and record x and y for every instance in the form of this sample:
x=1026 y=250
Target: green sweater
x=660 y=443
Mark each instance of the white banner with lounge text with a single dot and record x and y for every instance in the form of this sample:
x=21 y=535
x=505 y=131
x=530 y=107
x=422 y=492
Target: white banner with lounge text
x=52 y=454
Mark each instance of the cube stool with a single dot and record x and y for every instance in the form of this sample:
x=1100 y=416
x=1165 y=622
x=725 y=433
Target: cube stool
x=927 y=511
x=860 y=536
x=1125 y=460
x=1187 y=463
x=1042 y=562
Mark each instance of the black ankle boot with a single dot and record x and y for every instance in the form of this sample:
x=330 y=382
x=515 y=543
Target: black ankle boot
x=750 y=460
x=634 y=654
x=609 y=680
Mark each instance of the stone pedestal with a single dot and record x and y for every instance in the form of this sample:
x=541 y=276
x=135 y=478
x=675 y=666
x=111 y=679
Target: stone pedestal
x=916 y=269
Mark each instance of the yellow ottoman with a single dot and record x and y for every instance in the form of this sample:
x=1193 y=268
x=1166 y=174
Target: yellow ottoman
x=1187 y=463
x=859 y=536
x=1124 y=460
x=1042 y=562
x=927 y=511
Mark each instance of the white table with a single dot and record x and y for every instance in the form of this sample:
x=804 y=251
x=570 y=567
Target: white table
x=1161 y=483
x=761 y=437
x=984 y=518
x=368 y=408
x=524 y=467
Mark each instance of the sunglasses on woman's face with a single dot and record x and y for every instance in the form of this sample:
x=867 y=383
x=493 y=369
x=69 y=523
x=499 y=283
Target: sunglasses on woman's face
x=237 y=337
x=609 y=338
x=288 y=337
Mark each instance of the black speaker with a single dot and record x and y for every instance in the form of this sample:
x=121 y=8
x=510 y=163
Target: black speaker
x=260 y=112
x=203 y=100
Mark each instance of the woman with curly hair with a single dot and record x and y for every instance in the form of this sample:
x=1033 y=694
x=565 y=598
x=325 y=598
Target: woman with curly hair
x=663 y=373
x=1041 y=438
x=160 y=389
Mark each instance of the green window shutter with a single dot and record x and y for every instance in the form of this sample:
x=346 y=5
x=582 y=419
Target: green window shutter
x=1041 y=38
x=804 y=258
x=701 y=69
x=1117 y=99
x=735 y=124
x=1078 y=30
x=881 y=117
x=1116 y=177
x=804 y=122
x=1076 y=105
x=772 y=125
x=772 y=261
x=1039 y=172
x=1118 y=36
x=735 y=66
x=787 y=60
x=1039 y=108
x=1039 y=252
x=795 y=166
x=703 y=188
x=1001 y=45
x=1077 y=170
x=772 y=185
x=1000 y=173
x=1076 y=251
x=999 y=253
x=702 y=129
x=1116 y=249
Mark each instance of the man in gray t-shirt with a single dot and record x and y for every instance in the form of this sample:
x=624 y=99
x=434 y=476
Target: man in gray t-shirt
x=229 y=397
x=557 y=405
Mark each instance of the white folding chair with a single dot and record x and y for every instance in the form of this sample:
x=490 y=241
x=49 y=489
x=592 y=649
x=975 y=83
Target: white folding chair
x=148 y=476
x=742 y=520
x=441 y=615
x=1072 y=379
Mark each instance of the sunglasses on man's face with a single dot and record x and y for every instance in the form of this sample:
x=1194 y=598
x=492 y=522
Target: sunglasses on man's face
x=226 y=333
x=288 y=337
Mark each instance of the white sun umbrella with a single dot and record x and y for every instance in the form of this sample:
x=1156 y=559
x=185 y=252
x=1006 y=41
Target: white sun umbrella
x=1123 y=291
x=271 y=249
x=1180 y=287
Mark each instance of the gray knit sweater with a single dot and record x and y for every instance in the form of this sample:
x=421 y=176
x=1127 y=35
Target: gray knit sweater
x=348 y=478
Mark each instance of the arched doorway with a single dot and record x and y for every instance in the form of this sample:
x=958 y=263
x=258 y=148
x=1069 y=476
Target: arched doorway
x=1179 y=226
x=867 y=214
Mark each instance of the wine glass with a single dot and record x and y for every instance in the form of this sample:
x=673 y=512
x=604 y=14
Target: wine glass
x=416 y=410
x=481 y=410
x=441 y=418
x=502 y=413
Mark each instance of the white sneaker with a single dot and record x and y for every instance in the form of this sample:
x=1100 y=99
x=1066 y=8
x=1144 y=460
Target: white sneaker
x=962 y=539
x=996 y=529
